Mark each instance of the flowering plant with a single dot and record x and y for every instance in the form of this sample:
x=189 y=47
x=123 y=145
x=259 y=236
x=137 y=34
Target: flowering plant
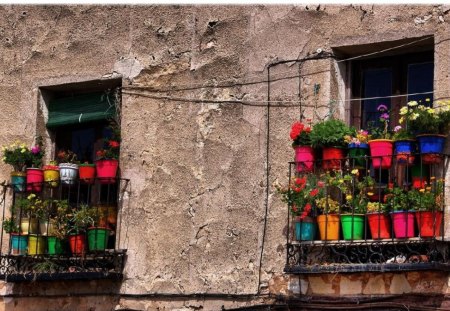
x=300 y=134
x=111 y=146
x=429 y=198
x=361 y=137
x=37 y=153
x=383 y=132
x=330 y=133
x=401 y=133
x=18 y=155
x=422 y=119
x=66 y=156
x=301 y=194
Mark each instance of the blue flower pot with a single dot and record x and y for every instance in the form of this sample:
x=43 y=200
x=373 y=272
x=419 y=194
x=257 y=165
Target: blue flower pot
x=431 y=147
x=305 y=230
x=19 y=244
x=404 y=151
x=18 y=181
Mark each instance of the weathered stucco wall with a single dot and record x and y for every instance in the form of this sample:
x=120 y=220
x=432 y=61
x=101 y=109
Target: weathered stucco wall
x=193 y=222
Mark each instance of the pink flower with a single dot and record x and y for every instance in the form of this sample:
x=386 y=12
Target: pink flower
x=397 y=128
x=385 y=116
x=382 y=108
x=35 y=150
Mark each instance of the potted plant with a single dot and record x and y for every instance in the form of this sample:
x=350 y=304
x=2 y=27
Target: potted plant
x=431 y=126
x=108 y=158
x=378 y=219
x=23 y=209
x=328 y=220
x=32 y=207
x=51 y=174
x=358 y=148
x=428 y=203
x=35 y=174
x=98 y=232
x=68 y=168
x=404 y=146
x=329 y=135
x=86 y=172
x=402 y=216
x=381 y=145
x=58 y=231
x=79 y=219
x=19 y=243
x=304 y=153
x=300 y=196
x=18 y=156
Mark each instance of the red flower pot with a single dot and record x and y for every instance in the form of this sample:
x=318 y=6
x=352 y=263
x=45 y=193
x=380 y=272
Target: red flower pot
x=304 y=158
x=381 y=151
x=86 y=173
x=380 y=226
x=107 y=170
x=429 y=223
x=35 y=178
x=332 y=158
x=77 y=244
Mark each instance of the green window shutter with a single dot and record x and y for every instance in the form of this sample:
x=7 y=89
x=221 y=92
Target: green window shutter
x=80 y=109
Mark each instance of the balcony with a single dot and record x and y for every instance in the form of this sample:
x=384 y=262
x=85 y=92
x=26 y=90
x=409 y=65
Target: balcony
x=364 y=204
x=62 y=230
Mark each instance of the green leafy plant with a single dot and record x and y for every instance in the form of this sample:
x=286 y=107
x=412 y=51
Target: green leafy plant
x=377 y=207
x=380 y=132
x=60 y=219
x=330 y=133
x=10 y=226
x=80 y=219
x=422 y=119
x=37 y=153
x=18 y=155
x=66 y=156
x=397 y=199
x=111 y=145
x=401 y=133
x=301 y=194
x=429 y=198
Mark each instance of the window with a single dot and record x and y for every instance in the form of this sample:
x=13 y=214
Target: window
x=384 y=78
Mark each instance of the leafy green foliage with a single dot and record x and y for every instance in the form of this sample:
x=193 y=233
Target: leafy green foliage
x=330 y=133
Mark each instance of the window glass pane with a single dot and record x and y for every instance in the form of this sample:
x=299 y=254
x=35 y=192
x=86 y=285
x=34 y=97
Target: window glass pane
x=377 y=83
x=420 y=80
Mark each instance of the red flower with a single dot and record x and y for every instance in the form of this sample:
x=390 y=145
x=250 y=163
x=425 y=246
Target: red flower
x=314 y=192
x=296 y=130
x=101 y=153
x=307 y=129
x=307 y=207
x=320 y=184
x=114 y=144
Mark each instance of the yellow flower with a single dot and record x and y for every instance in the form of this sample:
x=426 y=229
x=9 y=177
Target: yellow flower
x=341 y=181
x=31 y=196
x=370 y=194
x=355 y=171
x=432 y=178
x=430 y=110
x=428 y=188
x=422 y=190
x=23 y=150
x=414 y=116
x=401 y=120
x=349 y=197
x=427 y=99
x=412 y=103
x=403 y=110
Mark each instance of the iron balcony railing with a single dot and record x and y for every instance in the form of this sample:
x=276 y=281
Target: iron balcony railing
x=56 y=230
x=381 y=239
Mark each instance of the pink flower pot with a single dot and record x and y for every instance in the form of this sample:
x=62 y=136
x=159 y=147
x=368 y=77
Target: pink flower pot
x=106 y=170
x=403 y=223
x=304 y=158
x=35 y=178
x=381 y=151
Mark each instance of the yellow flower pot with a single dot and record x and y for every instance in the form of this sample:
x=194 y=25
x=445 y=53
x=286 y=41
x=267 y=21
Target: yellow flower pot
x=36 y=245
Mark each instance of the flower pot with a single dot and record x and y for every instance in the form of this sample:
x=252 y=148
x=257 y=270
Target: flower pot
x=35 y=178
x=18 y=181
x=68 y=173
x=381 y=152
x=332 y=158
x=87 y=173
x=431 y=147
x=36 y=244
x=419 y=177
x=429 y=223
x=352 y=226
x=328 y=227
x=77 y=244
x=45 y=228
x=404 y=151
x=107 y=170
x=54 y=246
x=358 y=155
x=403 y=223
x=19 y=244
x=304 y=159
x=51 y=175
x=29 y=225
x=305 y=229
x=380 y=226
x=98 y=238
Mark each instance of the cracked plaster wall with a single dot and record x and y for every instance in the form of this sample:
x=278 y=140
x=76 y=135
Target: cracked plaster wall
x=193 y=221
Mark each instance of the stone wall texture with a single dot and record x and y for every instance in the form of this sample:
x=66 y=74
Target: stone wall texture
x=197 y=219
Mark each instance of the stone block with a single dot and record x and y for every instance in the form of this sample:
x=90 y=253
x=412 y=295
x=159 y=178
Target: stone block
x=399 y=284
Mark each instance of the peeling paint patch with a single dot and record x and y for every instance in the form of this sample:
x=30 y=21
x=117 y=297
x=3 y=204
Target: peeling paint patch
x=128 y=67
